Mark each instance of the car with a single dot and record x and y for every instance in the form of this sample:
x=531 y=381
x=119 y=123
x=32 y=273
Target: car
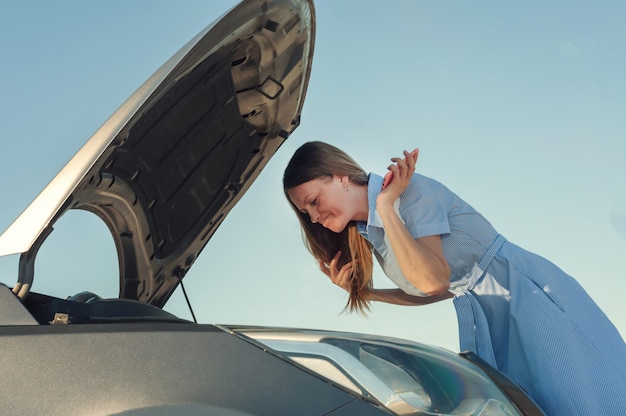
x=162 y=173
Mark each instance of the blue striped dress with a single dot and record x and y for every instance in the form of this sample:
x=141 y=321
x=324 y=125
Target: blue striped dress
x=516 y=310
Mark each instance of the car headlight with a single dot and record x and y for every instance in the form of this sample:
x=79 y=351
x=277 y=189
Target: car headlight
x=406 y=378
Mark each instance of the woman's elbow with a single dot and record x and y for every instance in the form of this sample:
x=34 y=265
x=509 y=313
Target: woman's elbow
x=438 y=289
x=440 y=284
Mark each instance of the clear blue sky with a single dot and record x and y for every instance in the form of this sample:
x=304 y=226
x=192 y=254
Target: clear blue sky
x=516 y=106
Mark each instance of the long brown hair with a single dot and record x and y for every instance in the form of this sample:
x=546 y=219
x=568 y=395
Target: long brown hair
x=316 y=160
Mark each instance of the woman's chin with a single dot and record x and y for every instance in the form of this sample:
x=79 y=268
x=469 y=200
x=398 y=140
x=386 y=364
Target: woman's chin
x=334 y=228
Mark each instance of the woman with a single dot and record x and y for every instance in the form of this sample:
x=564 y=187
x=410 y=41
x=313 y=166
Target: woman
x=516 y=310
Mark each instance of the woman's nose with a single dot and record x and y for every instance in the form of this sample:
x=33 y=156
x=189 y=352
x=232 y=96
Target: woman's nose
x=315 y=216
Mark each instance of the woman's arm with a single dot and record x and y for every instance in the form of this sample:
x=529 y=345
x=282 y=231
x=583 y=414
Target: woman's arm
x=398 y=297
x=421 y=260
x=341 y=277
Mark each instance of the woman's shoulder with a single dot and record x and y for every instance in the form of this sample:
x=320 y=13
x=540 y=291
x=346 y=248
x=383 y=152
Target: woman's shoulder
x=430 y=194
x=418 y=177
x=421 y=190
x=427 y=187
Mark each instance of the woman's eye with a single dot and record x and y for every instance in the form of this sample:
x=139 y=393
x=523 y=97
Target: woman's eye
x=314 y=202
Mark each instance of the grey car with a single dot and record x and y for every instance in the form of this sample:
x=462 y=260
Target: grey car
x=162 y=173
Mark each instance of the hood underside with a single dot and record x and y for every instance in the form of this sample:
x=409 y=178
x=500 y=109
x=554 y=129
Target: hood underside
x=164 y=171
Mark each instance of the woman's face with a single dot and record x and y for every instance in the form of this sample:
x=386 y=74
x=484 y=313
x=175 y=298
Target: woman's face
x=330 y=201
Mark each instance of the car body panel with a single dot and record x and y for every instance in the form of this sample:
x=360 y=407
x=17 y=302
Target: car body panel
x=166 y=168
x=119 y=356
x=107 y=369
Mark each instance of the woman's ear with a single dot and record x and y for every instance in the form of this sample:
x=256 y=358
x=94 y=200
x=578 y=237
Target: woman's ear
x=345 y=181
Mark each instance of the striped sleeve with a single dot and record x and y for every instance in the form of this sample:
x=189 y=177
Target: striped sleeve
x=423 y=207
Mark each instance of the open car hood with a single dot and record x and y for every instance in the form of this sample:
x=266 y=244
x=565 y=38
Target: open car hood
x=166 y=168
